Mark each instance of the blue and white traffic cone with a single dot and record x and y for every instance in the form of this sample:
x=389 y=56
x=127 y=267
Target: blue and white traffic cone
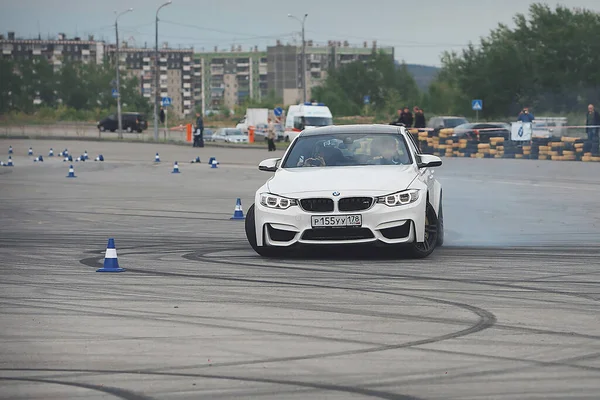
x=51 y=153
x=111 y=263
x=196 y=161
x=85 y=156
x=30 y=152
x=71 y=172
x=156 y=158
x=10 y=150
x=175 y=168
x=238 y=213
x=99 y=158
x=39 y=158
x=214 y=163
x=10 y=162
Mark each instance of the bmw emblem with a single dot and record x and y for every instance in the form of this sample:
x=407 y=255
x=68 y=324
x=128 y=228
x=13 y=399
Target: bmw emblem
x=336 y=193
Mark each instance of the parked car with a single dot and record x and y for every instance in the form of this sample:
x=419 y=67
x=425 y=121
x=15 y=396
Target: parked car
x=229 y=135
x=131 y=121
x=482 y=131
x=437 y=123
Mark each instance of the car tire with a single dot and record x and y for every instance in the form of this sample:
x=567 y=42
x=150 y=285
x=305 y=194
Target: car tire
x=129 y=130
x=424 y=249
x=139 y=130
x=440 y=237
x=250 y=223
x=102 y=128
x=287 y=139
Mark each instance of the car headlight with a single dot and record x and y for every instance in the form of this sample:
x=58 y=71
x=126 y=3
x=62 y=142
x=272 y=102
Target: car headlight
x=279 y=202
x=400 y=198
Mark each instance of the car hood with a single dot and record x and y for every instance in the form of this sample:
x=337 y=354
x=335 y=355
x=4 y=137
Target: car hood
x=375 y=180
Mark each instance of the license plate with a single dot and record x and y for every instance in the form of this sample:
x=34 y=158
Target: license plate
x=333 y=221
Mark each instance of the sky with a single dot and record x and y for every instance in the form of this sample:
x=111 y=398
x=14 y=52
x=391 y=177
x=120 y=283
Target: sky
x=419 y=30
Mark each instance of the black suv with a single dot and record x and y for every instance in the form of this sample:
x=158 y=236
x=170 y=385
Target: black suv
x=131 y=122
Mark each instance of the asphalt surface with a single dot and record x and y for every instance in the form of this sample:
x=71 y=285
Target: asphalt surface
x=507 y=309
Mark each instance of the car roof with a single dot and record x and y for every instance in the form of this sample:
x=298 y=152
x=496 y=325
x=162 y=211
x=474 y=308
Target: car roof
x=358 y=128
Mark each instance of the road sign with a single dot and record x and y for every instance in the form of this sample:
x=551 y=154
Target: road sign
x=366 y=99
x=477 y=105
x=166 y=101
x=278 y=111
x=115 y=93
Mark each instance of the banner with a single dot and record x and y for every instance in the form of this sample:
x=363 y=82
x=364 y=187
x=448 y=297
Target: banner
x=521 y=131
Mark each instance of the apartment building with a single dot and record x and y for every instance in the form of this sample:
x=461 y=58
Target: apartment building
x=175 y=68
x=230 y=77
x=55 y=51
x=285 y=65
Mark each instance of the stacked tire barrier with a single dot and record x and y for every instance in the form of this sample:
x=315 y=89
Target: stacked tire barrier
x=563 y=148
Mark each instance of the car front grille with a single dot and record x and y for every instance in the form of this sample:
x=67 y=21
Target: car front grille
x=338 y=234
x=317 y=205
x=355 y=203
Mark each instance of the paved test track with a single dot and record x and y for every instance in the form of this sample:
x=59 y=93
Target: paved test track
x=508 y=309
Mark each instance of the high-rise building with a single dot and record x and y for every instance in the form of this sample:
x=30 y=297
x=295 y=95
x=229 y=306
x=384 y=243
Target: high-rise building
x=229 y=78
x=174 y=69
x=56 y=51
x=285 y=65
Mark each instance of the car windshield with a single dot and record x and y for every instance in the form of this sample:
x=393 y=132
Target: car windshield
x=233 y=132
x=318 y=121
x=348 y=149
x=454 y=122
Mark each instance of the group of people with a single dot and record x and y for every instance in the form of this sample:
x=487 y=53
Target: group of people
x=406 y=118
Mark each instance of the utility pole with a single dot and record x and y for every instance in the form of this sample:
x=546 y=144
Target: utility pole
x=157 y=71
x=120 y=122
x=303 y=53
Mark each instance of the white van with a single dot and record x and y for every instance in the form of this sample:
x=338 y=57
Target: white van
x=305 y=116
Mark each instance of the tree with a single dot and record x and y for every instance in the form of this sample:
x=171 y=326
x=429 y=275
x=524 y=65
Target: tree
x=549 y=62
x=388 y=86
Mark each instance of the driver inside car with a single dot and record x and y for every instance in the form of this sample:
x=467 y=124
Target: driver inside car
x=384 y=151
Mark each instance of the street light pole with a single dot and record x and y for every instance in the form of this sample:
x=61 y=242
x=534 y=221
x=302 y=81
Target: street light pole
x=303 y=53
x=120 y=122
x=156 y=78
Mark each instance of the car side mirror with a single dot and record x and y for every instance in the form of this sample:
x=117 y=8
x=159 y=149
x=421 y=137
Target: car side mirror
x=428 y=160
x=269 y=165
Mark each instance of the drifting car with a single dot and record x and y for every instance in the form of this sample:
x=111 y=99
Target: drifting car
x=348 y=185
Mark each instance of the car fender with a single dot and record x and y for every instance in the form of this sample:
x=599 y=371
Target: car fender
x=435 y=195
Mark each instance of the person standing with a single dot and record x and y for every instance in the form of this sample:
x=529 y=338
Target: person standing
x=525 y=115
x=271 y=135
x=199 y=132
x=419 y=117
x=592 y=121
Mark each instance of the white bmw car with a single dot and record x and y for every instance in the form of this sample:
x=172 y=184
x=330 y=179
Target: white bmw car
x=347 y=185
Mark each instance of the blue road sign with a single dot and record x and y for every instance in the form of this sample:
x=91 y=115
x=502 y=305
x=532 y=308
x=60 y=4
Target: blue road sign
x=367 y=99
x=278 y=111
x=115 y=93
x=166 y=101
x=477 y=105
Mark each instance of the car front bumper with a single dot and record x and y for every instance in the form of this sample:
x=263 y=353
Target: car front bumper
x=380 y=223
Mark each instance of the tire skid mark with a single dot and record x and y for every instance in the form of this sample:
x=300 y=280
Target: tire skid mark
x=486 y=318
x=122 y=393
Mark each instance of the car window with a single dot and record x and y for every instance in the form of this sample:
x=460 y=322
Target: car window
x=348 y=149
x=233 y=132
x=454 y=122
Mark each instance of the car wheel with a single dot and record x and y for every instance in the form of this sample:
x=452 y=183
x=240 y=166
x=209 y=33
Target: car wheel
x=139 y=130
x=102 y=128
x=112 y=130
x=440 y=235
x=129 y=129
x=425 y=248
x=287 y=139
x=264 y=251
